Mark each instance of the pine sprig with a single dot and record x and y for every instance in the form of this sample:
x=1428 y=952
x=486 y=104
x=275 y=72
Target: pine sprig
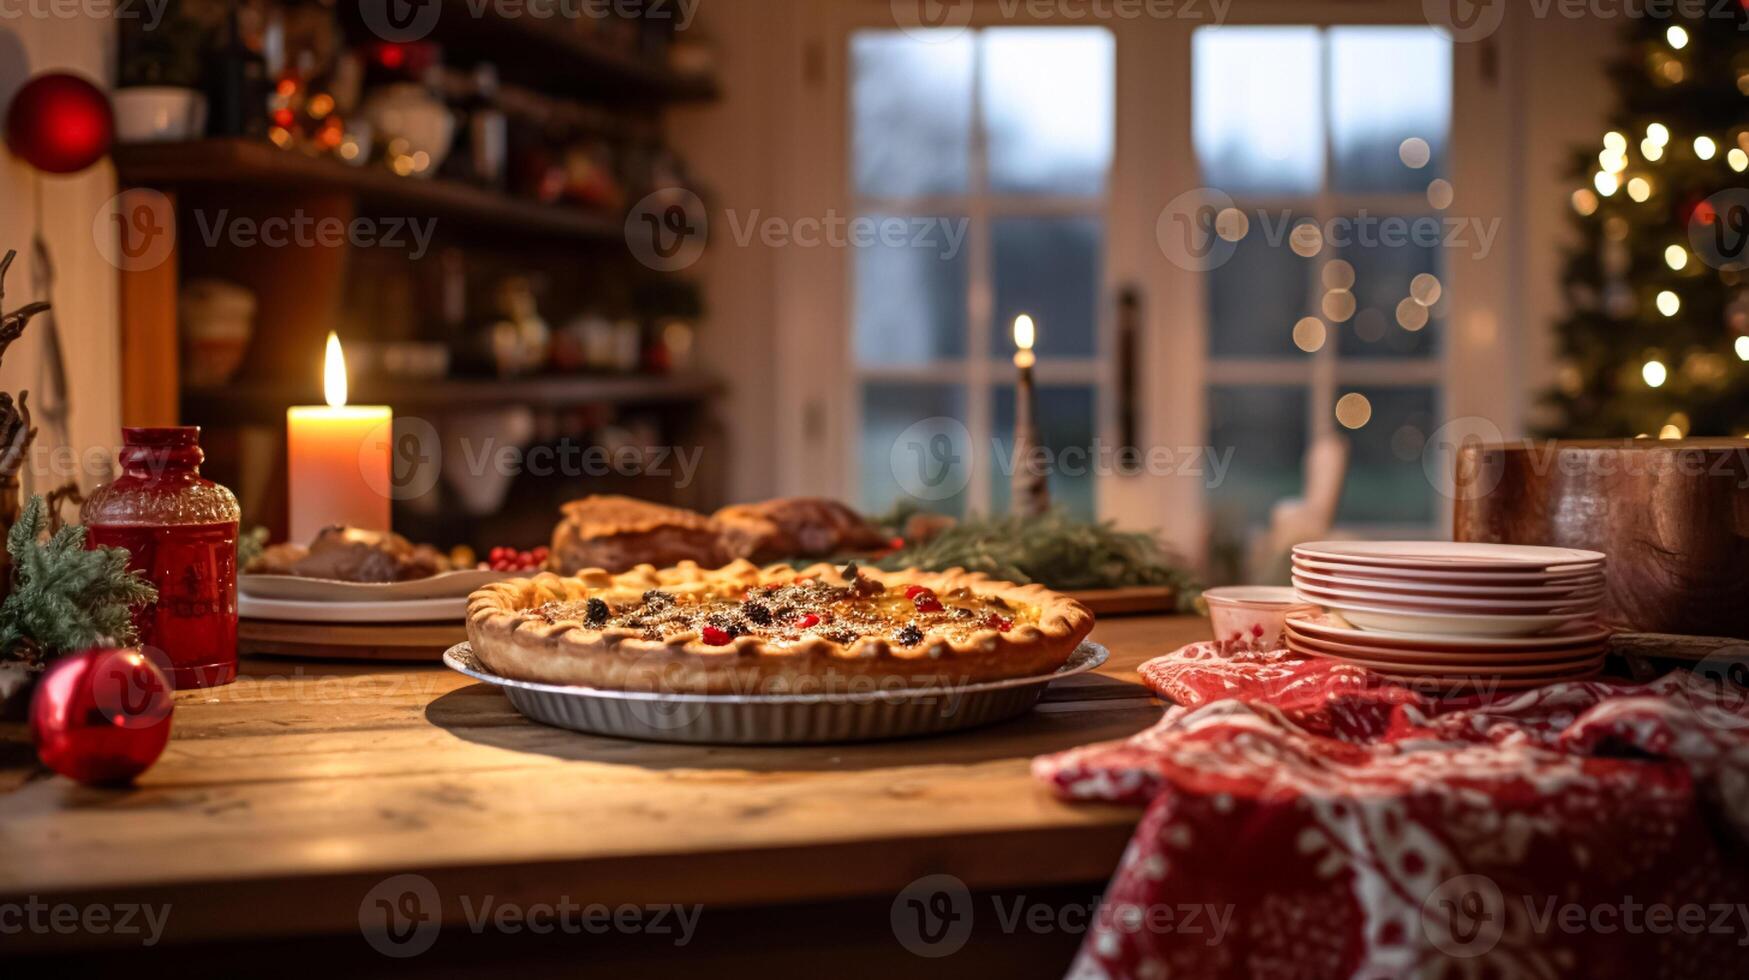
x=65 y=597
x=1055 y=550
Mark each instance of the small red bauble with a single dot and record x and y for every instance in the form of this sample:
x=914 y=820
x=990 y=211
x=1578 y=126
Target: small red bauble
x=102 y=716
x=59 y=123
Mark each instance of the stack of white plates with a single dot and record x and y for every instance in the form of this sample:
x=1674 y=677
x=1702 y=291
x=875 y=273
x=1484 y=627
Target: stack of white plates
x=1515 y=616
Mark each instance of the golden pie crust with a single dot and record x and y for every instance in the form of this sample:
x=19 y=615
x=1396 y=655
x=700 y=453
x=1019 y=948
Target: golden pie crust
x=513 y=639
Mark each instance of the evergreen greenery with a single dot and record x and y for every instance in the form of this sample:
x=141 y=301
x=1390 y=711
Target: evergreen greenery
x=64 y=597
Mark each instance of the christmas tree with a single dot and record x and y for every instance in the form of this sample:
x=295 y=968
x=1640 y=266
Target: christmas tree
x=1657 y=334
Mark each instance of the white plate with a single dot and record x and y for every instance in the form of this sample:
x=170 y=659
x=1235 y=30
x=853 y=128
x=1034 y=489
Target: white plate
x=1449 y=555
x=1580 y=589
x=451 y=609
x=1328 y=627
x=1417 y=603
x=444 y=586
x=1453 y=659
x=1449 y=624
x=1550 y=669
x=1563 y=576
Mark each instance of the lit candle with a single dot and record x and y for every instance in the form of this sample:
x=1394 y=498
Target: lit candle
x=1030 y=494
x=337 y=458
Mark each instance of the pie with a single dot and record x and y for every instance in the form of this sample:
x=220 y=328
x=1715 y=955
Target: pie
x=795 y=527
x=620 y=533
x=741 y=629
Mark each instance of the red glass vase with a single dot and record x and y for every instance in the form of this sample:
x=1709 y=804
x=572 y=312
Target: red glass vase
x=180 y=530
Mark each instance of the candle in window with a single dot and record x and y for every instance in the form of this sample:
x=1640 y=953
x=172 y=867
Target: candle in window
x=1029 y=490
x=337 y=458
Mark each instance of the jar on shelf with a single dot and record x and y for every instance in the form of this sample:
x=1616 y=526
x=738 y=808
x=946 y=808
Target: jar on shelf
x=180 y=531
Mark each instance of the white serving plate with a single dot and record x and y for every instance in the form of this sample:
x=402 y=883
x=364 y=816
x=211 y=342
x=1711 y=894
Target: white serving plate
x=1414 y=603
x=774 y=719
x=1411 y=662
x=1578 y=589
x=1455 y=576
x=450 y=609
x=1577 y=634
x=443 y=586
x=1444 y=555
x=1370 y=617
x=1461 y=682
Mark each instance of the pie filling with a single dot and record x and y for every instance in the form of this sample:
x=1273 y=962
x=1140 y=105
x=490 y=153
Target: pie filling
x=801 y=609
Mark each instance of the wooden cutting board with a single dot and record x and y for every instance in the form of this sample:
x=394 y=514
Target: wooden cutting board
x=1137 y=601
x=403 y=642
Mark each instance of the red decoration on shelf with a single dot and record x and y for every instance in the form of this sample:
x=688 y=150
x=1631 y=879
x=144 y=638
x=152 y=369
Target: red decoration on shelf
x=101 y=717
x=59 y=123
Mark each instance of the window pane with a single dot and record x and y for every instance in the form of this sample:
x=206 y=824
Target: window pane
x=1048 y=109
x=1386 y=483
x=1257 y=296
x=1066 y=419
x=1050 y=269
x=1389 y=84
x=1264 y=426
x=911 y=295
x=1398 y=312
x=1258 y=123
x=906 y=455
x=911 y=102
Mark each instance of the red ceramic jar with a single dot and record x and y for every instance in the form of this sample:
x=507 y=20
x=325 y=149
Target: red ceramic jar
x=180 y=530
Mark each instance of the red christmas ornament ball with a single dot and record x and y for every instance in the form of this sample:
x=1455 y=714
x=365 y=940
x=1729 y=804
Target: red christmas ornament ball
x=59 y=123
x=102 y=716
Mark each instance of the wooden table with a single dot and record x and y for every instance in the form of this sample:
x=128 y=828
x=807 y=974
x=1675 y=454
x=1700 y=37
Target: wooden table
x=284 y=798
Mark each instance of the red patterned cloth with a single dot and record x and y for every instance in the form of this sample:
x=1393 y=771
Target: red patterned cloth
x=1310 y=819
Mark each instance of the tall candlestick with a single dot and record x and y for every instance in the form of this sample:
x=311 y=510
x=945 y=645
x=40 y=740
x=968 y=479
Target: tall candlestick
x=1029 y=489
x=337 y=458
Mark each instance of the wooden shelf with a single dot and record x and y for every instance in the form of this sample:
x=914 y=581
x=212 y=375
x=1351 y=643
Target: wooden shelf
x=564 y=58
x=256 y=165
x=244 y=401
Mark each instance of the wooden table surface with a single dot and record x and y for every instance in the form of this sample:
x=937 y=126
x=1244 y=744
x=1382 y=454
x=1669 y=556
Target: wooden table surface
x=304 y=784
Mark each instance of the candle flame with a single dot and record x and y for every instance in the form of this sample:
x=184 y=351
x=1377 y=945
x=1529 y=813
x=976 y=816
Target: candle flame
x=334 y=372
x=1024 y=332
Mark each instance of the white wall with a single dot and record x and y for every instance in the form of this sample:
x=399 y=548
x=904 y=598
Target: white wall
x=64 y=207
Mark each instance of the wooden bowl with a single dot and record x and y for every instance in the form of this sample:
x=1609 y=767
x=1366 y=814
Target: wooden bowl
x=1673 y=516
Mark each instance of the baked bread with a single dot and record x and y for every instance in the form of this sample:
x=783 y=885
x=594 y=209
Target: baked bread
x=350 y=554
x=617 y=533
x=795 y=527
x=746 y=630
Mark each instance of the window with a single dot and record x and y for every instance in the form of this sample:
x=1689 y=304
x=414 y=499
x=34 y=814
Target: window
x=1326 y=150
x=986 y=155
